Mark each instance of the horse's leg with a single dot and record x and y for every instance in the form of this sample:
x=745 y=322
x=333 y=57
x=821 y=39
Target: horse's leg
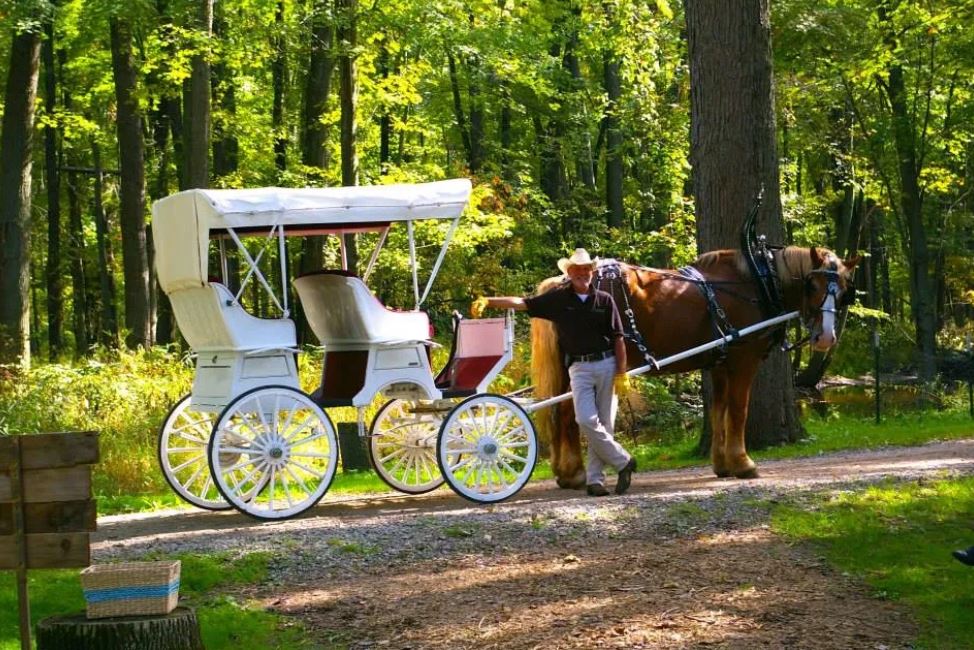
x=740 y=376
x=718 y=421
x=566 y=449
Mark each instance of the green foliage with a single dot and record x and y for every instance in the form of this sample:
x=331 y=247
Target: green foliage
x=898 y=537
x=122 y=395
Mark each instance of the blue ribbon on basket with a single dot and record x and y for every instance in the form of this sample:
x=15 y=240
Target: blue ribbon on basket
x=131 y=593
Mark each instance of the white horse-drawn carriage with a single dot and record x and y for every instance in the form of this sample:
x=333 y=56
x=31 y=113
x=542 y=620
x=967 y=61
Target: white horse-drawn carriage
x=248 y=436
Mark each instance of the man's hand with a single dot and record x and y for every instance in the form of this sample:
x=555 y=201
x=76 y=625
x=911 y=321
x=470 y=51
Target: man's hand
x=478 y=306
x=621 y=385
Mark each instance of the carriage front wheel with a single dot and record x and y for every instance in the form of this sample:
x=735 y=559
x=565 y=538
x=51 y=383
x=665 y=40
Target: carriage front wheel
x=402 y=446
x=273 y=452
x=487 y=448
x=183 y=441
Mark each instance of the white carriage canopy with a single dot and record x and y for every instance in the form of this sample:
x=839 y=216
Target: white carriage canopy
x=183 y=224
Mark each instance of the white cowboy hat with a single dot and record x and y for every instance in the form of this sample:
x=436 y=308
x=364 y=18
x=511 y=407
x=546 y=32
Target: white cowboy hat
x=579 y=258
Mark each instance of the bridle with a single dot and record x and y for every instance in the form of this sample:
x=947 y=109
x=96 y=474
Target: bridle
x=840 y=298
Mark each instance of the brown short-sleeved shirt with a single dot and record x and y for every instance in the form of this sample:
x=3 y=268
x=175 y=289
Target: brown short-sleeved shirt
x=583 y=327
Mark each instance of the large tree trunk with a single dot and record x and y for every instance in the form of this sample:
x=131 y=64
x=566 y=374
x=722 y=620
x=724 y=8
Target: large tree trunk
x=279 y=76
x=108 y=327
x=52 y=161
x=16 y=142
x=345 y=11
x=733 y=153
x=922 y=299
x=314 y=154
x=198 y=108
x=76 y=251
x=613 y=137
x=131 y=159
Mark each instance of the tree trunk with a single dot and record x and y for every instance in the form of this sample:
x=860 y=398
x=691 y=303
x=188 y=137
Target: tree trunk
x=733 y=154
x=614 y=143
x=226 y=148
x=922 y=299
x=131 y=158
x=345 y=10
x=385 y=122
x=178 y=630
x=108 y=328
x=198 y=108
x=76 y=252
x=279 y=76
x=16 y=143
x=52 y=161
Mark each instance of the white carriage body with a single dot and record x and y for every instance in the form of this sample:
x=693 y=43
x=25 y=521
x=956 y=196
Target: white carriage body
x=237 y=351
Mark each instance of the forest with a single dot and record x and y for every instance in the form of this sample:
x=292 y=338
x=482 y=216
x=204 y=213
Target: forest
x=640 y=129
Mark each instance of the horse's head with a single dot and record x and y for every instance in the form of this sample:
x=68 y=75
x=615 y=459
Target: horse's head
x=827 y=287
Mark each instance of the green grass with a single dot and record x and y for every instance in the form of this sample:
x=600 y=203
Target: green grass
x=898 y=538
x=225 y=621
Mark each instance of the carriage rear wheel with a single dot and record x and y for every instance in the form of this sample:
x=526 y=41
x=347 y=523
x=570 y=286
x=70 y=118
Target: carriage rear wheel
x=487 y=448
x=183 y=441
x=273 y=453
x=402 y=446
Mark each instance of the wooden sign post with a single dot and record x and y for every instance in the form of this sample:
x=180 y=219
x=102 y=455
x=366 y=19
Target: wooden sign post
x=46 y=509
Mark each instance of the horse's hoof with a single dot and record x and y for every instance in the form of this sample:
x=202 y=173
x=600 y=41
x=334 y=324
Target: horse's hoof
x=569 y=483
x=721 y=473
x=748 y=473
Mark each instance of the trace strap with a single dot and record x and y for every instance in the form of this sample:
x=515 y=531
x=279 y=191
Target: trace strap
x=718 y=317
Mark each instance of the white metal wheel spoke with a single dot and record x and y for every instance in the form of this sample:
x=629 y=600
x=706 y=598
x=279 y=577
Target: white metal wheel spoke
x=297 y=428
x=499 y=423
x=249 y=475
x=507 y=454
x=194 y=476
x=466 y=462
x=240 y=450
x=303 y=441
x=240 y=465
x=270 y=489
x=206 y=486
x=287 y=489
x=463 y=451
x=317 y=475
x=310 y=454
x=515 y=445
x=233 y=433
x=297 y=479
x=194 y=459
x=394 y=471
x=398 y=451
x=247 y=421
x=508 y=435
x=182 y=450
x=507 y=466
x=187 y=436
x=260 y=413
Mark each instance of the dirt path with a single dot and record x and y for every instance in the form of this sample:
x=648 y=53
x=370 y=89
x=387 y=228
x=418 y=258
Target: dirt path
x=684 y=560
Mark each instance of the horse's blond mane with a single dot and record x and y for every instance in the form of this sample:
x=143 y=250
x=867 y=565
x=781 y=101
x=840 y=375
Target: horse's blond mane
x=710 y=259
x=547 y=370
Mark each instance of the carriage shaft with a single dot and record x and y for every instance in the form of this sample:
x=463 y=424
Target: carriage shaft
x=680 y=356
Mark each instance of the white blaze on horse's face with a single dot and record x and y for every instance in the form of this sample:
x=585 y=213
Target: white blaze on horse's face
x=823 y=336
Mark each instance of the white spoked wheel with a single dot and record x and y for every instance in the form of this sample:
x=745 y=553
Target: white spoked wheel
x=183 y=441
x=402 y=446
x=487 y=448
x=273 y=453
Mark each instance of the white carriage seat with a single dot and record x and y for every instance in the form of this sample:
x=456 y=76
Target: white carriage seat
x=211 y=319
x=342 y=311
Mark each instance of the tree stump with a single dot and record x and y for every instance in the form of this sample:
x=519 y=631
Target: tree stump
x=178 y=630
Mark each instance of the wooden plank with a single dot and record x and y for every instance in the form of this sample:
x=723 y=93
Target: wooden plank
x=45 y=450
x=48 y=551
x=56 y=517
x=41 y=485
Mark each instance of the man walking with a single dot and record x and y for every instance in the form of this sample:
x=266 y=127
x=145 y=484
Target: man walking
x=590 y=336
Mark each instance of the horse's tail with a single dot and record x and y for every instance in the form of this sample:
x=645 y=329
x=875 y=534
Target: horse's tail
x=547 y=367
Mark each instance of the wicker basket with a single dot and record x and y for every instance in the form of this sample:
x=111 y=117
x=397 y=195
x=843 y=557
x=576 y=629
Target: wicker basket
x=131 y=588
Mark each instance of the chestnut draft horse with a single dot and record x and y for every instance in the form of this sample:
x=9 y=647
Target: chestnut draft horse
x=673 y=315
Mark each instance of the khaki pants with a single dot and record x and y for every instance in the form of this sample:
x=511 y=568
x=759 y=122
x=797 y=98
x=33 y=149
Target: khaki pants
x=595 y=413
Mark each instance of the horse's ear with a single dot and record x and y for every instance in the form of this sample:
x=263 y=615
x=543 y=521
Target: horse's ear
x=850 y=263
